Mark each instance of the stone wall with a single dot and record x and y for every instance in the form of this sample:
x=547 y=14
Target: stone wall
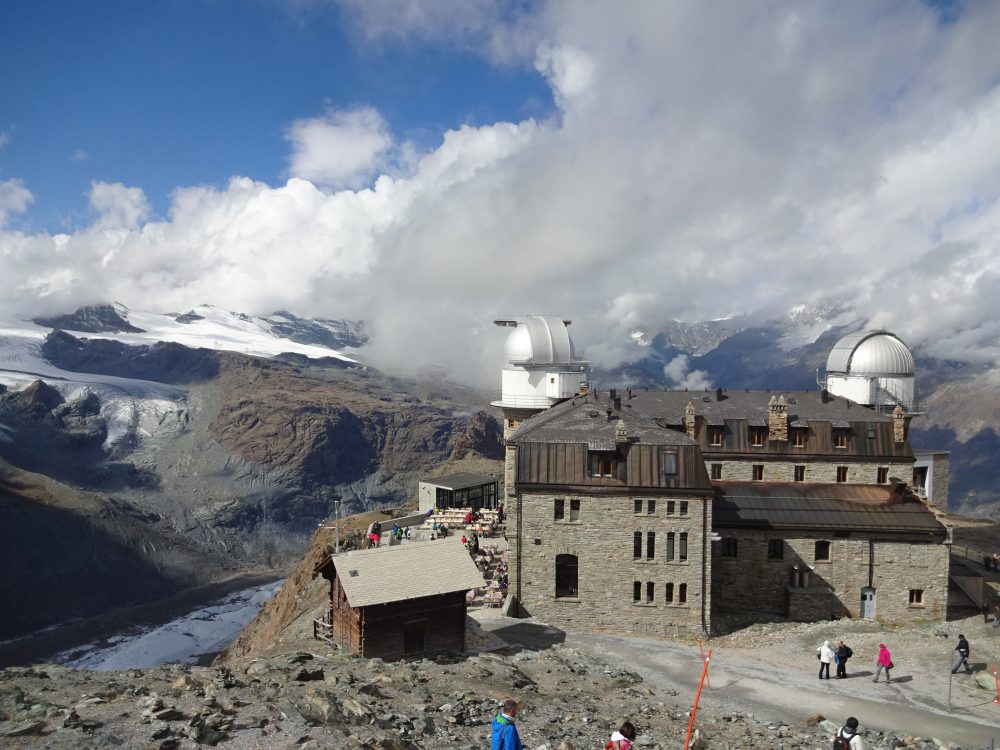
x=602 y=541
x=753 y=581
x=821 y=472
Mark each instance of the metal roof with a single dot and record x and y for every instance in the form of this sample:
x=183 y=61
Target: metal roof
x=460 y=481
x=837 y=507
x=407 y=571
x=585 y=419
x=871 y=353
x=538 y=340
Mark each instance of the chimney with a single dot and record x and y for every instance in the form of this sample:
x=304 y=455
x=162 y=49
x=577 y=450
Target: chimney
x=899 y=424
x=616 y=400
x=621 y=432
x=777 y=418
x=689 y=420
x=628 y=393
x=613 y=393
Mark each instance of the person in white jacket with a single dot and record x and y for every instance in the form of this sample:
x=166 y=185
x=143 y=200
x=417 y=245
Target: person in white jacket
x=825 y=657
x=848 y=738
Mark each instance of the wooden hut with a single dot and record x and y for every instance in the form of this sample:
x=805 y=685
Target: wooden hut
x=399 y=601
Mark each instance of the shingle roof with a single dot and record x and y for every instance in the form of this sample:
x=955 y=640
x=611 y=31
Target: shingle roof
x=840 y=507
x=460 y=481
x=584 y=419
x=406 y=571
x=803 y=406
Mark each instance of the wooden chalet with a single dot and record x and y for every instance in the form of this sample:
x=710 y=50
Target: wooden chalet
x=398 y=601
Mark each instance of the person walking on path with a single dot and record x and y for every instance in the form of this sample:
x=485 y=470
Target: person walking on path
x=623 y=738
x=847 y=738
x=963 y=655
x=843 y=654
x=884 y=662
x=986 y=612
x=504 y=731
x=825 y=657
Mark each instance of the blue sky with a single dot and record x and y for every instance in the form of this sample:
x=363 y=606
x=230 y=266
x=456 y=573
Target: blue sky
x=426 y=165
x=158 y=95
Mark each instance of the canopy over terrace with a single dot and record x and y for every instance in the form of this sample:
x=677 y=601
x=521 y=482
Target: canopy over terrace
x=464 y=490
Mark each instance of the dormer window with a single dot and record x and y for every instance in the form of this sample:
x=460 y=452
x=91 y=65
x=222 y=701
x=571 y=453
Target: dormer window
x=716 y=435
x=798 y=438
x=839 y=438
x=603 y=464
x=758 y=436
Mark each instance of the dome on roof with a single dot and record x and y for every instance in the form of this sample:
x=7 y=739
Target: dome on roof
x=539 y=340
x=878 y=353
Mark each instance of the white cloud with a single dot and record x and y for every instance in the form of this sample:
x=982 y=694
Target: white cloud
x=341 y=149
x=703 y=164
x=677 y=372
x=14 y=198
x=79 y=155
x=6 y=136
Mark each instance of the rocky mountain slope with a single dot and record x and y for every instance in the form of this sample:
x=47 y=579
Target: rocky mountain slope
x=171 y=465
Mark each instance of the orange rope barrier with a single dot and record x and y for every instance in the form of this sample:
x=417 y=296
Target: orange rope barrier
x=697 y=697
x=708 y=680
x=997 y=680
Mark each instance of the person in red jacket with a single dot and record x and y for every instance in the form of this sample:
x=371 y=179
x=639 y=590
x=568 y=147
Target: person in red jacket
x=623 y=738
x=884 y=662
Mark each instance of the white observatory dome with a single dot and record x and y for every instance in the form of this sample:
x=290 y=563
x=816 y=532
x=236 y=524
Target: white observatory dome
x=873 y=353
x=538 y=340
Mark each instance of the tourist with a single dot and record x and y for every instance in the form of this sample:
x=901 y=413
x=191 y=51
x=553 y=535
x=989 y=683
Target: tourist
x=843 y=654
x=986 y=612
x=847 y=738
x=504 y=731
x=996 y=616
x=825 y=656
x=884 y=662
x=622 y=739
x=963 y=655
x=468 y=518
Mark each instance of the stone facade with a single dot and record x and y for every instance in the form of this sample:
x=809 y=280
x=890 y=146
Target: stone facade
x=601 y=537
x=820 y=472
x=755 y=580
x=777 y=419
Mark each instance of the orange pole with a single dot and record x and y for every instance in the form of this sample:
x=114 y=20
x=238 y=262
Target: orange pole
x=997 y=680
x=697 y=697
x=708 y=680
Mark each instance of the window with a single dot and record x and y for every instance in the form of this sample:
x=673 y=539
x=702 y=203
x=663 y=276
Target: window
x=510 y=422
x=822 y=551
x=559 y=510
x=882 y=475
x=566 y=575
x=841 y=474
x=650 y=545
x=728 y=547
x=671 y=507
x=683 y=551
x=757 y=436
x=651 y=508
x=637 y=591
x=552 y=380
x=758 y=472
x=682 y=593
x=716 y=471
x=775 y=549
x=574 y=510
x=649 y=592
x=716 y=435
x=670 y=545
x=800 y=473
x=684 y=507
x=840 y=438
x=602 y=464
x=668 y=595
x=637 y=545
x=637 y=507
x=798 y=438
x=916 y=597
x=669 y=463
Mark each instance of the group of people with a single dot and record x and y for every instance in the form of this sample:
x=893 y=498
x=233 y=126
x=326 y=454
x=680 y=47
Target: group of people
x=992 y=561
x=840 y=655
x=505 y=736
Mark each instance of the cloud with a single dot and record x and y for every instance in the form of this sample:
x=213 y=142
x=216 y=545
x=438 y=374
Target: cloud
x=703 y=163
x=6 y=136
x=677 y=372
x=14 y=198
x=79 y=155
x=341 y=149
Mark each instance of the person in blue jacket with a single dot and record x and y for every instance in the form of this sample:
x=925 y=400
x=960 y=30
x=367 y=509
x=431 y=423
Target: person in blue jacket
x=504 y=731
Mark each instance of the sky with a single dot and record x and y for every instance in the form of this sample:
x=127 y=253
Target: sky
x=428 y=166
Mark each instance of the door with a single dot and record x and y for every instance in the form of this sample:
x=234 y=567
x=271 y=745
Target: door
x=868 y=603
x=413 y=637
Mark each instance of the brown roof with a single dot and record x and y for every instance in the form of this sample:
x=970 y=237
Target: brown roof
x=406 y=571
x=836 y=507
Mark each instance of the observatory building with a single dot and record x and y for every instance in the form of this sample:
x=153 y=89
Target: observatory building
x=873 y=368
x=540 y=368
